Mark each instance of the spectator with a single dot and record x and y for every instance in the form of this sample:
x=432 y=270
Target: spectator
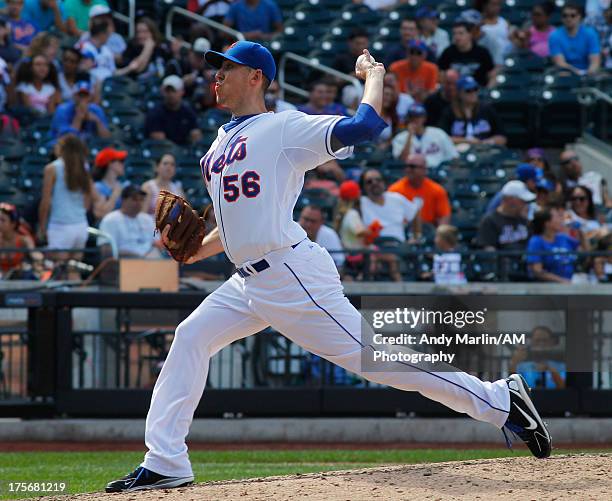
x=545 y=188
x=256 y=19
x=173 y=119
x=69 y=75
x=602 y=265
x=325 y=177
x=131 y=229
x=581 y=214
x=434 y=37
x=526 y=173
x=431 y=142
x=494 y=24
x=387 y=214
x=605 y=34
x=437 y=102
x=77 y=14
x=165 y=170
x=404 y=101
x=273 y=100
x=506 y=228
x=115 y=43
x=574 y=46
x=447 y=261
x=109 y=166
x=467 y=58
x=312 y=219
x=536 y=365
x=213 y=9
x=97 y=59
x=423 y=191
x=409 y=31
x=416 y=77
x=469 y=121
x=357 y=41
x=147 y=53
x=534 y=35
x=5 y=81
x=320 y=101
x=354 y=234
x=22 y=31
x=572 y=175
x=46 y=44
x=389 y=114
x=67 y=193
x=8 y=52
x=45 y=14
x=380 y=4
x=80 y=116
x=537 y=158
x=482 y=38
x=197 y=78
x=37 y=86
x=12 y=238
x=548 y=236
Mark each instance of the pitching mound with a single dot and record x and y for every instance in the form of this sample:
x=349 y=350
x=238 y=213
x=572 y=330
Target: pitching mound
x=580 y=476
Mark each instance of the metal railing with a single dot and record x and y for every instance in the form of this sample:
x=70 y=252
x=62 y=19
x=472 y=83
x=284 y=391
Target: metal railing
x=130 y=19
x=290 y=56
x=201 y=19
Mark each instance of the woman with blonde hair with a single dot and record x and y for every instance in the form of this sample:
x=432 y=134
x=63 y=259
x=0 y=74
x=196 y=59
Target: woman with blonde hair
x=67 y=194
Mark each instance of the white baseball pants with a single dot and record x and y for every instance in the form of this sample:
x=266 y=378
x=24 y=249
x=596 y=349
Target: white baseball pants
x=300 y=296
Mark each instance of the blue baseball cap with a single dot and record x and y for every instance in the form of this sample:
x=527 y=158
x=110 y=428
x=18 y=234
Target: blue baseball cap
x=467 y=82
x=470 y=16
x=526 y=172
x=249 y=54
x=82 y=86
x=416 y=110
x=545 y=184
x=426 y=13
x=418 y=44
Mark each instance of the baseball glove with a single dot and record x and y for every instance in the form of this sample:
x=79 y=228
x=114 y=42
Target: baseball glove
x=187 y=229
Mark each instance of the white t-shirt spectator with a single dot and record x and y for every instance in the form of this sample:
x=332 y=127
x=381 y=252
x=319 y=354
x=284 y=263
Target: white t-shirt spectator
x=39 y=98
x=329 y=239
x=103 y=58
x=438 y=41
x=116 y=44
x=435 y=145
x=393 y=215
x=351 y=226
x=501 y=32
x=131 y=234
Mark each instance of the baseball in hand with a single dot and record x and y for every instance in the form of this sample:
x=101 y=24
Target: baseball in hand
x=366 y=62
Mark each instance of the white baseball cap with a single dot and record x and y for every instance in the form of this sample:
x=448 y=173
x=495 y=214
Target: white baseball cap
x=99 y=10
x=201 y=45
x=517 y=189
x=173 y=81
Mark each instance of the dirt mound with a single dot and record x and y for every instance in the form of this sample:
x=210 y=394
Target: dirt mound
x=579 y=476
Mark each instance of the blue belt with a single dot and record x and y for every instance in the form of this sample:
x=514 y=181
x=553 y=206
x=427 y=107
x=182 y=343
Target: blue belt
x=259 y=266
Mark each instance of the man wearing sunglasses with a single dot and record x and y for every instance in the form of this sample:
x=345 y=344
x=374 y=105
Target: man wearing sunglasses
x=572 y=175
x=416 y=77
x=574 y=46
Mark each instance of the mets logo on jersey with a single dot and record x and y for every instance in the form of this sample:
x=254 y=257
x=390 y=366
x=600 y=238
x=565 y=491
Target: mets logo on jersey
x=233 y=185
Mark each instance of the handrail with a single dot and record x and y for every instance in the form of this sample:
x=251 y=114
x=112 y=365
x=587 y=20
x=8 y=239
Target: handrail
x=201 y=19
x=313 y=64
x=586 y=92
x=130 y=19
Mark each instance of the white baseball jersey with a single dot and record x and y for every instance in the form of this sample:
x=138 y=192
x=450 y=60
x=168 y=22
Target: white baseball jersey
x=254 y=174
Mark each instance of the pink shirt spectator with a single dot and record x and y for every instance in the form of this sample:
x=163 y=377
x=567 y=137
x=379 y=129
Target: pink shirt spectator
x=538 y=41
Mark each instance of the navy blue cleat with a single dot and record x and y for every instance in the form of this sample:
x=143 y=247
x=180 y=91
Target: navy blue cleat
x=524 y=420
x=142 y=479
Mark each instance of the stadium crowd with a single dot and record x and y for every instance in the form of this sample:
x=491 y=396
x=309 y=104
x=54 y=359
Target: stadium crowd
x=88 y=102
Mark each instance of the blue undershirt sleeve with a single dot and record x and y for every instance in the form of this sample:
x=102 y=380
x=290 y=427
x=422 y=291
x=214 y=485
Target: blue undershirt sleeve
x=365 y=125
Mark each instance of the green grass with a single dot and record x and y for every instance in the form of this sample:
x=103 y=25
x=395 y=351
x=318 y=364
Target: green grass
x=90 y=471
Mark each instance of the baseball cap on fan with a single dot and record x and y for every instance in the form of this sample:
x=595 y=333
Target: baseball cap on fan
x=519 y=190
x=173 y=81
x=99 y=10
x=246 y=53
